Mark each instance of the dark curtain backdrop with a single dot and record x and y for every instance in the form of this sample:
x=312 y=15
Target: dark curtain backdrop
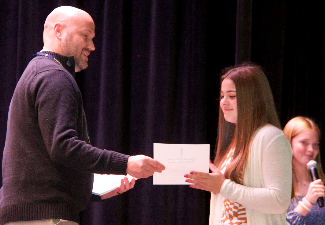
x=154 y=77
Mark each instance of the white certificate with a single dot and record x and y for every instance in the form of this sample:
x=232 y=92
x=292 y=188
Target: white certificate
x=180 y=159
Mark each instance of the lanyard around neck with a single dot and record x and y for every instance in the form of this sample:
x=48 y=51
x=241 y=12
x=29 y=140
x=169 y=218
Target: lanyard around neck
x=47 y=55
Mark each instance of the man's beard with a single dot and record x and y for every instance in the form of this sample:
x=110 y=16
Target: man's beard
x=69 y=49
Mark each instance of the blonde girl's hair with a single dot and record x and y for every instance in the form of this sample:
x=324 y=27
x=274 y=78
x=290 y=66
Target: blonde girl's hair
x=298 y=125
x=255 y=108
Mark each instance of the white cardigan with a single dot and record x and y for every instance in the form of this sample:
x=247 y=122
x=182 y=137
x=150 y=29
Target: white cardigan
x=266 y=192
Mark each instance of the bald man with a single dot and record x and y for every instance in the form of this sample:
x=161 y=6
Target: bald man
x=48 y=161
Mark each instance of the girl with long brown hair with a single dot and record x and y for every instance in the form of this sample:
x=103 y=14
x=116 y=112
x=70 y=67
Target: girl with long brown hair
x=251 y=175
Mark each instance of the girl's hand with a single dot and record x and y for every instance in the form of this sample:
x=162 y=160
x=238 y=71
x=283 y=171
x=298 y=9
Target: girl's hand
x=207 y=181
x=316 y=189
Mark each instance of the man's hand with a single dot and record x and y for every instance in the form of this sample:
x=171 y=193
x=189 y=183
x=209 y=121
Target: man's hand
x=141 y=166
x=125 y=186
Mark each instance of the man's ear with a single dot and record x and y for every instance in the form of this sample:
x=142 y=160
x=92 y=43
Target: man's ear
x=58 y=29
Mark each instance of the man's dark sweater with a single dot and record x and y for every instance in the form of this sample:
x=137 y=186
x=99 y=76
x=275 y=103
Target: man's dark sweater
x=48 y=163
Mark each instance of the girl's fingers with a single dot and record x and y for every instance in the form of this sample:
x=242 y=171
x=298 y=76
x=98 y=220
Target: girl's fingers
x=197 y=186
x=197 y=175
x=213 y=168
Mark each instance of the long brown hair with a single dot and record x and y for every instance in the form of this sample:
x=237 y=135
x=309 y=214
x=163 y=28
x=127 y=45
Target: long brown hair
x=255 y=108
x=297 y=125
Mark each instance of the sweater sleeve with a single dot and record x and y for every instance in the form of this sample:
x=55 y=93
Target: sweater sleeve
x=294 y=218
x=63 y=126
x=273 y=194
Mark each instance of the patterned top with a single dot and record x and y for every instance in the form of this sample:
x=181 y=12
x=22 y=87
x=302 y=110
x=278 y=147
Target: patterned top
x=315 y=217
x=233 y=213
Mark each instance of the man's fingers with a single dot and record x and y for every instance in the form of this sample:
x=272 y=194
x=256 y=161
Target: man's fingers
x=132 y=183
x=144 y=173
x=140 y=166
x=147 y=173
x=122 y=187
x=155 y=166
x=126 y=184
x=118 y=190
